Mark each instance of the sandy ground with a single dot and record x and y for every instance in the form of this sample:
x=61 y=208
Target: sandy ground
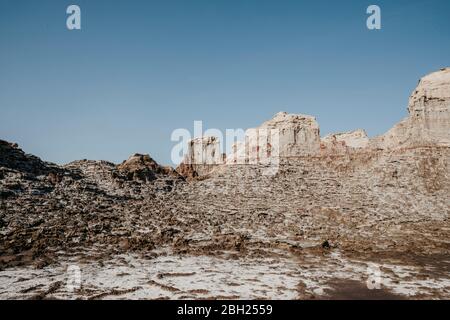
x=280 y=276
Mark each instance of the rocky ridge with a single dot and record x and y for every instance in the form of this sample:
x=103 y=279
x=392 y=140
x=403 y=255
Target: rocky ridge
x=387 y=195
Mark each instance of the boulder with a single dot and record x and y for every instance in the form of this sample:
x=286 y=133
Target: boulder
x=299 y=134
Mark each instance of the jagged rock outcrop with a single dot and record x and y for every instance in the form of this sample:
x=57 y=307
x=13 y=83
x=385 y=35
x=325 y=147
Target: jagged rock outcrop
x=21 y=172
x=46 y=207
x=296 y=135
x=285 y=135
x=299 y=134
x=12 y=157
x=142 y=167
x=428 y=122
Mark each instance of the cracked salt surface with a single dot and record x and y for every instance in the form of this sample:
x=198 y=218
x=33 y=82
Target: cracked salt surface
x=178 y=277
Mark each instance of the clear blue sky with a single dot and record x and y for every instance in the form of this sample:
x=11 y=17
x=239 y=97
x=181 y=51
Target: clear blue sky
x=140 y=69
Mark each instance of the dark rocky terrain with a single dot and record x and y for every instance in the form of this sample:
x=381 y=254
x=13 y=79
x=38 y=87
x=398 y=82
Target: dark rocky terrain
x=47 y=208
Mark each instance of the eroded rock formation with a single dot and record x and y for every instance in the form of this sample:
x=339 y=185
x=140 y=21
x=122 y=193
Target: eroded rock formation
x=203 y=155
x=297 y=135
x=143 y=168
x=342 y=142
x=385 y=197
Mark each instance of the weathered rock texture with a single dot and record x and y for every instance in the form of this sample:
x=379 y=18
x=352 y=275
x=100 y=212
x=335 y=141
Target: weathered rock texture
x=429 y=116
x=298 y=134
x=286 y=135
x=387 y=196
x=203 y=155
x=341 y=142
x=143 y=168
x=291 y=135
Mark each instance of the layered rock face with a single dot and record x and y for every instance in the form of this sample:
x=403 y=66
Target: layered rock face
x=205 y=150
x=20 y=172
x=203 y=155
x=142 y=167
x=13 y=158
x=389 y=193
x=428 y=122
x=286 y=135
x=341 y=142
